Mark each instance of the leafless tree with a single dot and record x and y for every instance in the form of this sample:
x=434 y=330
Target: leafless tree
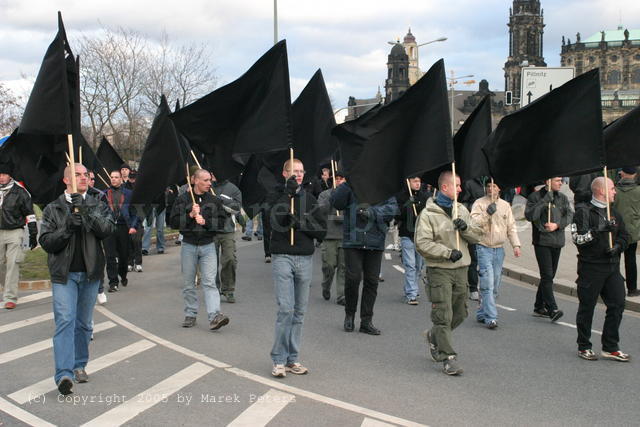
x=10 y=110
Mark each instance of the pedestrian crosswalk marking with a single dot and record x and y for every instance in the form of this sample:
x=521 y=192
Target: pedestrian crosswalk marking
x=45 y=386
x=387 y=256
x=571 y=325
x=43 y=345
x=397 y=267
x=138 y=404
x=27 y=322
x=263 y=410
x=35 y=297
x=504 y=307
x=22 y=415
x=369 y=422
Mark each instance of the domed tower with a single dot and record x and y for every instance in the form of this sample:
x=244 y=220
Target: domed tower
x=526 y=28
x=397 y=73
x=411 y=48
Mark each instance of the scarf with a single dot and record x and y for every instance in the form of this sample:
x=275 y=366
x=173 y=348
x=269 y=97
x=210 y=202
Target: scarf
x=443 y=201
x=598 y=204
x=4 y=190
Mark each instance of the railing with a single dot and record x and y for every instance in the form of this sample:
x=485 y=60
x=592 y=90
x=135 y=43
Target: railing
x=621 y=103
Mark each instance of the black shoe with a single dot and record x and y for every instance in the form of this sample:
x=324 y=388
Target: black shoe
x=540 y=312
x=81 y=375
x=633 y=293
x=178 y=242
x=145 y=252
x=368 y=328
x=113 y=288
x=218 y=322
x=65 y=386
x=267 y=259
x=340 y=301
x=189 y=322
x=326 y=294
x=124 y=282
x=160 y=251
x=259 y=237
x=349 y=322
x=555 y=315
x=247 y=238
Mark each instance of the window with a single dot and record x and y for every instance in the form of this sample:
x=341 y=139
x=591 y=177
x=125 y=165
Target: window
x=637 y=57
x=390 y=73
x=569 y=61
x=635 y=75
x=614 y=58
x=592 y=59
x=614 y=77
x=401 y=73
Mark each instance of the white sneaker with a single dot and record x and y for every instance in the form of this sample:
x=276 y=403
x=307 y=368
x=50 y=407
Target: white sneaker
x=130 y=268
x=474 y=296
x=138 y=268
x=102 y=298
x=279 y=371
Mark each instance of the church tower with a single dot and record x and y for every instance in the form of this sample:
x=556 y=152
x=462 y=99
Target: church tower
x=397 y=73
x=411 y=48
x=526 y=28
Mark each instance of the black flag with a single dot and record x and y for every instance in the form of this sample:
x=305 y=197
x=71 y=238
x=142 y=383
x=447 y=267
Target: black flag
x=467 y=146
x=162 y=162
x=108 y=156
x=622 y=140
x=409 y=136
x=559 y=134
x=249 y=115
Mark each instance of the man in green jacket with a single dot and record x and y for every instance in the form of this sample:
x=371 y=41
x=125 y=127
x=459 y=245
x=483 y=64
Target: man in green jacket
x=447 y=258
x=627 y=203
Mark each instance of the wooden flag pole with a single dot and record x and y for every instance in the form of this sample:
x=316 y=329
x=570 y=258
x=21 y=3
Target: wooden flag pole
x=72 y=163
x=80 y=154
x=291 y=174
x=105 y=182
x=200 y=167
x=415 y=211
x=492 y=201
x=455 y=201
x=606 y=195
x=333 y=180
x=549 y=207
x=193 y=198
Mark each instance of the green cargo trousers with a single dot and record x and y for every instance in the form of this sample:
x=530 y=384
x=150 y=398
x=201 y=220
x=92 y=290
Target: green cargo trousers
x=448 y=292
x=332 y=261
x=227 y=262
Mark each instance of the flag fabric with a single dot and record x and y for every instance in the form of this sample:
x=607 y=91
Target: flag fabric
x=108 y=156
x=162 y=163
x=250 y=115
x=50 y=105
x=467 y=146
x=622 y=140
x=406 y=137
x=559 y=134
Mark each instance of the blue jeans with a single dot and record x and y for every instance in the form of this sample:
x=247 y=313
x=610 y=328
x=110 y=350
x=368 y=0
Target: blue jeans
x=204 y=260
x=291 y=278
x=413 y=263
x=489 y=275
x=73 y=304
x=249 y=228
x=159 y=224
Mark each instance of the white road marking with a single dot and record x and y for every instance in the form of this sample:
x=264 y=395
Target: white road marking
x=571 y=325
x=504 y=307
x=151 y=396
x=27 y=322
x=263 y=410
x=397 y=267
x=35 y=297
x=43 y=345
x=22 y=415
x=175 y=347
x=387 y=256
x=368 y=422
x=322 y=399
x=45 y=386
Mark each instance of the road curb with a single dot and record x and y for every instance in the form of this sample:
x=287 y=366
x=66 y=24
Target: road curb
x=42 y=285
x=563 y=286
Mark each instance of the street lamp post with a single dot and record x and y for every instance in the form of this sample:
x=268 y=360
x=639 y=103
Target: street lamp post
x=452 y=82
x=275 y=21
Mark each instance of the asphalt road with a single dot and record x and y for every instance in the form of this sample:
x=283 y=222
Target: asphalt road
x=147 y=370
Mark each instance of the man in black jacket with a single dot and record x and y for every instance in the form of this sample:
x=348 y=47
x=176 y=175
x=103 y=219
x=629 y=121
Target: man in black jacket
x=549 y=212
x=73 y=227
x=600 y=242
x=16 y=210
x=198 y=223
x=410 y=206
x=292 y=263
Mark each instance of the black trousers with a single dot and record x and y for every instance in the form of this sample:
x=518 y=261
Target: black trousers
x=603 y=280
x=135 y=247
x=547 y=264
x=472 y=273
x=361 y=264
x=630 y=268
x=116 y=248
x=266 y=233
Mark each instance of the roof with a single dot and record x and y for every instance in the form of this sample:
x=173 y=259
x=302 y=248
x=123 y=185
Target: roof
x=397 y=50
x=409 y=38
x=616 y=35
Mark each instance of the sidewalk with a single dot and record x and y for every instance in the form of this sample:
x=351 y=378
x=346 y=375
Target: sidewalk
x=525 y=268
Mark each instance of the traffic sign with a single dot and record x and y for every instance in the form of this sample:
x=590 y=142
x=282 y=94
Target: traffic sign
x=538 y=81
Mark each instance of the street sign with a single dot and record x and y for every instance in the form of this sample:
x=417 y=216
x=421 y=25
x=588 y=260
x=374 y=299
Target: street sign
x=538 y=81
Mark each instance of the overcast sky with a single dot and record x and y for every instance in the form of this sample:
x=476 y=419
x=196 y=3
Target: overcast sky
x=346 y=38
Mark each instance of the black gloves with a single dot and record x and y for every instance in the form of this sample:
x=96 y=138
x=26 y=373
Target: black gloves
x=75 y=222
x=491 y=209
x=363 y=214
x=76 y=200
x=615 y=250
x=548 y=198
x=217 y=200
x=291 y=186
x=291 y=221
x=459 y=224
x=455 y=255
x=610 y=226
x=33 y=241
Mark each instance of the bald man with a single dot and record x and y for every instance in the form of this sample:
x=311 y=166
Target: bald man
x=600 y=242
